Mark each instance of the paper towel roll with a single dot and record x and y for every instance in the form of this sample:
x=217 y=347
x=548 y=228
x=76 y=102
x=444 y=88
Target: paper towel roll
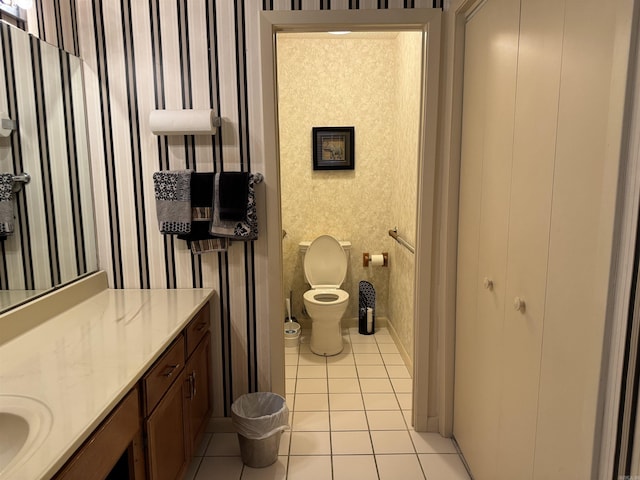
x=376 y=260
x=183 y=122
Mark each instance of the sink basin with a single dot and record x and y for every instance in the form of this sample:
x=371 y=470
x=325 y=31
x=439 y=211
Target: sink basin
x=24 y=423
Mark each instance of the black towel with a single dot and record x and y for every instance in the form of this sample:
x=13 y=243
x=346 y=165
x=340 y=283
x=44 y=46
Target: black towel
x=234 y=190
x=201 y=198
x=202 y=189
x=199 y=231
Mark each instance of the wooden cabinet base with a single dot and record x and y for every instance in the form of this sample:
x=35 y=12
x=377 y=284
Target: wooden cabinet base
x=118 y=434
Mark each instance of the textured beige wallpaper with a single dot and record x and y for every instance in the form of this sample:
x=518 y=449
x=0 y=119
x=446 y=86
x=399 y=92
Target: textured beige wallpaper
x=347 y=82
x=404 y=196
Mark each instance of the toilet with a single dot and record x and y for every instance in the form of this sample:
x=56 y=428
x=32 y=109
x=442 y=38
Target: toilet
x=325 y=268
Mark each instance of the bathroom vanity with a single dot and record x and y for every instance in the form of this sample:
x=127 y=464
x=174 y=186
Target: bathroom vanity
x=123 y=379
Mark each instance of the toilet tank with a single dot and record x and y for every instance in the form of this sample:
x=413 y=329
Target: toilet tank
x=346 y=246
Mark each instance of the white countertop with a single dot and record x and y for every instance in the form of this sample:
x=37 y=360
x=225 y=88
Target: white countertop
x=82 y=362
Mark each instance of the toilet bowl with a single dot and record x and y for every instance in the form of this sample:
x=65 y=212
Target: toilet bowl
x=325 y=268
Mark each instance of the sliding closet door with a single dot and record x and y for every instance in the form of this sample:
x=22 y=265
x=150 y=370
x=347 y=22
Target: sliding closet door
x=488 y=108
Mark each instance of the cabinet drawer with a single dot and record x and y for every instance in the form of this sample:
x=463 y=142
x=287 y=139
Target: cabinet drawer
x=162 y=374
x=197 y=329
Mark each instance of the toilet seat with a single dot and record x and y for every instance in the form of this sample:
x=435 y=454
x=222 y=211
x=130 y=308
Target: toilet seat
x=325 y=263
x=326 y=296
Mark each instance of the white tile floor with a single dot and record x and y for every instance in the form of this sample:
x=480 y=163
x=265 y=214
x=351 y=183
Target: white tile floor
x=350 y=418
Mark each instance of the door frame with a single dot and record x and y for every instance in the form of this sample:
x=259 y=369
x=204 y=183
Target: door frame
x=618 y=325
x=429 y=22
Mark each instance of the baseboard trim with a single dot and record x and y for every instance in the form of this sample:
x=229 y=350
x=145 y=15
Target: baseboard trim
x=408 y=361
x=353 y=322
x=220 y=425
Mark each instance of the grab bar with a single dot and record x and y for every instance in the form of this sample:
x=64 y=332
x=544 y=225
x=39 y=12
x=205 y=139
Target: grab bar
x=394 y=234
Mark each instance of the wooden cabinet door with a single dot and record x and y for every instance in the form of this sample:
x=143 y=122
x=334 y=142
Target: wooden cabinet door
x=118 y=433
x=168 y=448
x=198 y=382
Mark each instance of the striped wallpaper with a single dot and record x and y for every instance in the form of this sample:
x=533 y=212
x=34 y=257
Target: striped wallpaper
x=142 y=55
x=54 y=240
x=55 y=22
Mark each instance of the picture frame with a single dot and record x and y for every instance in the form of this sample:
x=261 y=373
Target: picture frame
x=333 y=148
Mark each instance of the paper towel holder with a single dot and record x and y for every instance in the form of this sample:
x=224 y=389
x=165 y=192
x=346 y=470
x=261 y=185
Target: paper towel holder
x=366 y=258
x=184 y=122
x=7 y=125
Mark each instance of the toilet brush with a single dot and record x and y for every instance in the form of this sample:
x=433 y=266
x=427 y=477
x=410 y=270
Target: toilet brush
x=288 y=303
x=291 y=329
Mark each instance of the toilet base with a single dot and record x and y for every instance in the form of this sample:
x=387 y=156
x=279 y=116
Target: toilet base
x=326 y=340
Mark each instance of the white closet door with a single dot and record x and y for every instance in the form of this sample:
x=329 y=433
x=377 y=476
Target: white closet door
x=536 y=112
x=488 y=108
x=584 y=192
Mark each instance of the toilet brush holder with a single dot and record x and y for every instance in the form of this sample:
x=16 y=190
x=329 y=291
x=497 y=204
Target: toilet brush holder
x=367 y=309
x=291 y=334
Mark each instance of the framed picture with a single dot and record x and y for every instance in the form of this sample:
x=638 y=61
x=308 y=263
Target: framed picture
x=333 y=148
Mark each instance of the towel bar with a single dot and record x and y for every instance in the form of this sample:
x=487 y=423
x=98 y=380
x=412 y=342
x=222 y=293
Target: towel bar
x=258 y=178
x=22 y=178
x=19 y=181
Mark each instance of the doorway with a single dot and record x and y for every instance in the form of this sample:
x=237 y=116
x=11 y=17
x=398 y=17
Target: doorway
x=428 y=22
x=368 y=82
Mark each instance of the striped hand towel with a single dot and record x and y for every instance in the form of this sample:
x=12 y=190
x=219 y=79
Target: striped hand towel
x=173 y=201
x=6 y=205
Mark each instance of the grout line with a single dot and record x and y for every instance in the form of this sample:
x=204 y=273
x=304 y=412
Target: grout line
x=328 y=393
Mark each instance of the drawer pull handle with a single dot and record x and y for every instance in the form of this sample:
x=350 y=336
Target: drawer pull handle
x=201 y=326
x=170 y=370
x=192 y=385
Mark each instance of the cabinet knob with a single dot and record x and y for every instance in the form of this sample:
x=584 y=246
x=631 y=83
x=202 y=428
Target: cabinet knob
x=519 y=304
x=488 y=283
x=201 y=326
x=170 y=370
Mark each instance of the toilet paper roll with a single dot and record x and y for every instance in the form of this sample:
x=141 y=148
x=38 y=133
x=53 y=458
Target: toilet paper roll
x=376 y=260
x=183 y=122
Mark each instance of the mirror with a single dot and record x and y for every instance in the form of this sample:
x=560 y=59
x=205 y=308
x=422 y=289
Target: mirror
x=53 y=240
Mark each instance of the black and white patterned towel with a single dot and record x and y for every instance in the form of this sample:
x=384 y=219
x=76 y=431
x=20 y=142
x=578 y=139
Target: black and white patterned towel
x=246 y=229
x=210 y=245
x=6 y=204
x=173 y=201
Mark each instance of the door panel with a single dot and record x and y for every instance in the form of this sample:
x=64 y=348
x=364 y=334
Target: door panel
x=584 y=194
x=538 y=85
x=488 y=109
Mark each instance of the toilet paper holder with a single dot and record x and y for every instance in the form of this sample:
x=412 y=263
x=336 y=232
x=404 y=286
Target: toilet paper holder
x=367 y=258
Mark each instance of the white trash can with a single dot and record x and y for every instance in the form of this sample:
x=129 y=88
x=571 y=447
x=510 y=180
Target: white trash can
x=259 y=419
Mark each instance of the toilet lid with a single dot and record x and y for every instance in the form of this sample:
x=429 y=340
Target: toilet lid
x=325 y=263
